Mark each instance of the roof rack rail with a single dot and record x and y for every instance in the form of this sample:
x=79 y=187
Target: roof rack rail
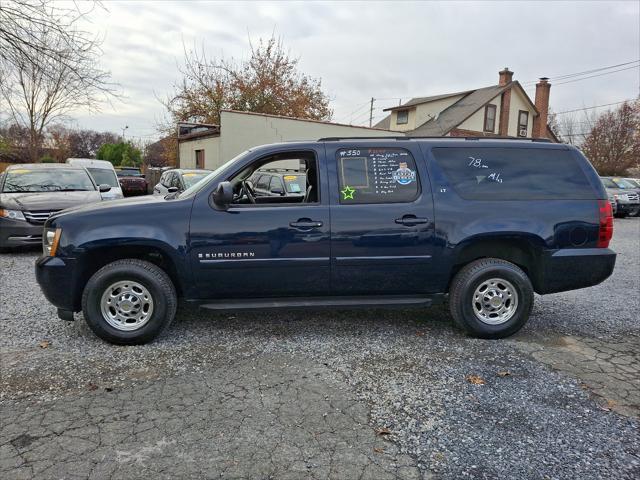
x=337 y=139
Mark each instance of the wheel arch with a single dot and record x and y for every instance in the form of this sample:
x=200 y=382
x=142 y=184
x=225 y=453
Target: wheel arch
x=157 y=253
x=522 y=250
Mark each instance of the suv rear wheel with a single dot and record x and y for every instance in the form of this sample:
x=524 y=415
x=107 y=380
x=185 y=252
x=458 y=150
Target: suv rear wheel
x=491 y=298
x=129 y=302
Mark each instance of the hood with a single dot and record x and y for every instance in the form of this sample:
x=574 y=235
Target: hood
x=116 y=204
x=47 y=200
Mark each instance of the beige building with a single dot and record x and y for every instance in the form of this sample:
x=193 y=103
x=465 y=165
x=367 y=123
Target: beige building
x=503 y=110
x=209 y=146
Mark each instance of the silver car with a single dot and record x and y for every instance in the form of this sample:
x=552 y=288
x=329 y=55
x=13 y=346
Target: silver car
x=627 y=197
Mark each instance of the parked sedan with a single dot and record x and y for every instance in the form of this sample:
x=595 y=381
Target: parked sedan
x=626 y=196
x=30 y=193
x=132 y=181
x=178 y=180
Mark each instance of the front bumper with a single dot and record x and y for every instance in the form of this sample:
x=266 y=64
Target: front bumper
x=628 y=208
x=573 y=268
x=19 y=233
x=59 y=281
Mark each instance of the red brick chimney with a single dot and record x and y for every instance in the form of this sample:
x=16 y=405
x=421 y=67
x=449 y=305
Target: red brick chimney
x=542 y=105
x=505 y=78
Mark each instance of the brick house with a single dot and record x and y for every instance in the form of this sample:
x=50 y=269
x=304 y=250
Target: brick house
x=503 y=110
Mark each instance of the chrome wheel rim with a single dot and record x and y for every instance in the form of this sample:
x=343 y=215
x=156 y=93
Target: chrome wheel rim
x=495 y=301
x=126 y=305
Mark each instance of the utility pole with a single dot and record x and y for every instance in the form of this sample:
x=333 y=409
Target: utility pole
x=371 y=112
x=125 y=127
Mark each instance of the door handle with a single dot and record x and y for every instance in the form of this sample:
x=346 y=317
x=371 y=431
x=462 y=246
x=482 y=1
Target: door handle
x=411 y=220
x=306 y=223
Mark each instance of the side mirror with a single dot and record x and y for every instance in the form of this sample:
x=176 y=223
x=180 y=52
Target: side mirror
x=223 y=194
x=104 y=188
x=172 y=189
x=277 y=190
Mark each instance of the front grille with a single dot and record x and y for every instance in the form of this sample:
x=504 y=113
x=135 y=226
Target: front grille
x=39 y=217
x=633 y=197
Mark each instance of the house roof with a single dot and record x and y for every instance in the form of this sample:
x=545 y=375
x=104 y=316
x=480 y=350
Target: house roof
x=457 y=113
x=420 y=100
x=454 y=115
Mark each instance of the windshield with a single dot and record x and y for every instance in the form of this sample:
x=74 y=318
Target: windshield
x=608 y=183
x=622 y=183
x=104 y=176
x=295 y=183
x=196 y=187
x=191 y=178
x=47 y=180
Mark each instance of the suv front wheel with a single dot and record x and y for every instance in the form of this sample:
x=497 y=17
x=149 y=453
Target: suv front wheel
x=129 y=302
x=491 y=298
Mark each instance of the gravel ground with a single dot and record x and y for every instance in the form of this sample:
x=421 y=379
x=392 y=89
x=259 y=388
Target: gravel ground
x=526 y=417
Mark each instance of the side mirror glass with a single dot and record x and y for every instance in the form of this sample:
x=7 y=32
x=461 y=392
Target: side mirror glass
x=223 y=195
x=104 y=188
x=172 y=189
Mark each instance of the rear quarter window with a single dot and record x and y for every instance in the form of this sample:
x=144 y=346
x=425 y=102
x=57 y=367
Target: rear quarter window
x=513 y=173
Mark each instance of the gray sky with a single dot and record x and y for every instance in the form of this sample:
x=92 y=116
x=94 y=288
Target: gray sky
x=386 y=50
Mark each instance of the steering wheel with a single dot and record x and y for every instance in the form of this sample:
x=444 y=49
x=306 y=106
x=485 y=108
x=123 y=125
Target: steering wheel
x=248 y=191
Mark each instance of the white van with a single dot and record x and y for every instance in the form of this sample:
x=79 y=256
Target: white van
x=102 y=173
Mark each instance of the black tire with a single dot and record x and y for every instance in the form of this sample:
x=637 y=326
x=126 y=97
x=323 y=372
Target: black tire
x=151 y=277
x=473 y=276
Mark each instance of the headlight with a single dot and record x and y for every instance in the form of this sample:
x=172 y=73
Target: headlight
x=50 y=241
x=12 y=214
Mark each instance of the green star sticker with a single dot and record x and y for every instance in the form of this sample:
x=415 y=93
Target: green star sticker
x=348 y=193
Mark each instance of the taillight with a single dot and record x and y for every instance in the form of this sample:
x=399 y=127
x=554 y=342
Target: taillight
x=606 y=223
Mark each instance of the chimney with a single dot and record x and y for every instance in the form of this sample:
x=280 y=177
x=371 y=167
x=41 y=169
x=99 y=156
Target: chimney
x=542 y=105
x=506 y=76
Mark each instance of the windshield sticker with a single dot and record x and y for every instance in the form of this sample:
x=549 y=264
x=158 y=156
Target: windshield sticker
x=20 y=171
x=404 y=175
x=294 y=187
x=290 y=177
x=189 y=174
x=348 y=193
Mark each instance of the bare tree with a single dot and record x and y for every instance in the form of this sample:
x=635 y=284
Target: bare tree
x=39 y=86
x=613 y=142
x=23 y=22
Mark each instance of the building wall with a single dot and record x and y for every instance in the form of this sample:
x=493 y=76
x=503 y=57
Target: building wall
x=241 y=131
x=476 y=121
x=404 y=127
x=518 y=102
x=211 y=147
x=427 y=111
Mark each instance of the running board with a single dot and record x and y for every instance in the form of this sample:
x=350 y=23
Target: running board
x=323 y=302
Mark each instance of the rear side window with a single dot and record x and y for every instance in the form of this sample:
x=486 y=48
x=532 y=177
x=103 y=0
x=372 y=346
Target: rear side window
x=513 y=173
x=376 y=175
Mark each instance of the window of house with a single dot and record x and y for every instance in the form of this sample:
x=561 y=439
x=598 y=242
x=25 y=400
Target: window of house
x=402 y=117
x=523 y=123
x=490 y=118
x=376 y=175
x=199 y=158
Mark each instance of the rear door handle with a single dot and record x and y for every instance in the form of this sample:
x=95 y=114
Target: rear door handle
x=411 y=220
x=306 y=223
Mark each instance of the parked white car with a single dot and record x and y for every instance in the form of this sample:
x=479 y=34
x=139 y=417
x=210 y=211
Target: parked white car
x=102 y=173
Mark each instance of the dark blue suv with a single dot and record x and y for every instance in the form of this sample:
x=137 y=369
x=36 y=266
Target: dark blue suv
x=482 y=223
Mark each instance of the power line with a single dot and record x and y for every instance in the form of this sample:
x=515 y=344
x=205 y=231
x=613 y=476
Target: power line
x=598 y=75
x=595 y=106
x=585 y=72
